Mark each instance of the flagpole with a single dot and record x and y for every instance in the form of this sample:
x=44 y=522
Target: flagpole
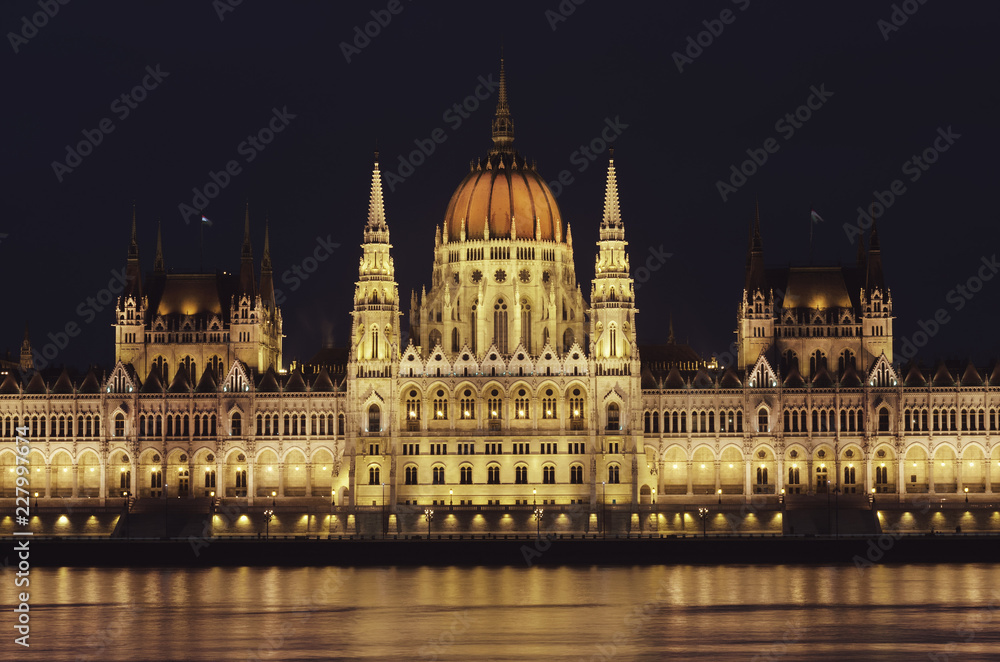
x=201 y=243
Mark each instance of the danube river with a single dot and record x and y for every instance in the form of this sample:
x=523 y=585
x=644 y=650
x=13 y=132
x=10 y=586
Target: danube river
x=732 y=612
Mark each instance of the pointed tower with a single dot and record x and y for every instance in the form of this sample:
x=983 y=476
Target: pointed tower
x=158 y=265
x=130 y=309
x=27 y=362
x=248 y=284
x=266 y=272
x=375 y=334
x=876 y=305
x=612 y=294
x=755 y=323
x=133 y=271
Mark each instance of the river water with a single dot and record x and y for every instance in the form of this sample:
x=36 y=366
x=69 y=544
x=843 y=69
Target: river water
x=732 y=612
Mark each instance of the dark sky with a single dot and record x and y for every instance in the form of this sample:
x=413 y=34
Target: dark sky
x=680 y=132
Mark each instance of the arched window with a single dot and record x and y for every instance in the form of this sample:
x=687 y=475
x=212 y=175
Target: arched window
x=374 y=419
x=614 y=474
x=119 y=425
x=883 y=419
x=454 y=340
x=849 y=475
x=549 y=475
x=576 y=474
x=472 y=331
x=762 y=475
x=612 y=339
x=762 y=420
x=373 y=475
x=647 y=422
x=438 y=475
x=568 y=337
x=237 y=424
x=434 y=339
x=340 y=425
x=374 y=341
x=613 y=416
x=522 y=404
x=465 y=475
x=411 y=475
x=500 y=325
x=521 y=475
x=441 y=405
x=526 y=324
x=413 y=406
x=493 y=474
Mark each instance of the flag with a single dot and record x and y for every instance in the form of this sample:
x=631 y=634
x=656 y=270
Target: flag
x=814 y=217
x=204 y=219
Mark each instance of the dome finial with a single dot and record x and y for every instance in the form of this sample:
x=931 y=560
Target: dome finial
x=503 y=125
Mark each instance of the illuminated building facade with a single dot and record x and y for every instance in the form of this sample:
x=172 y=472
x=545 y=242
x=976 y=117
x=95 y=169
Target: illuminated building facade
x=512 y=388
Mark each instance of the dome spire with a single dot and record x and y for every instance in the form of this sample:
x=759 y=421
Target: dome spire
x=503 y=125
x=158 y=265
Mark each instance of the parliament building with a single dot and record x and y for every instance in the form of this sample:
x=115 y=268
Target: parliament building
x=506 y=387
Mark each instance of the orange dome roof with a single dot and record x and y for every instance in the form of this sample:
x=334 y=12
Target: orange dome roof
x=505 y=190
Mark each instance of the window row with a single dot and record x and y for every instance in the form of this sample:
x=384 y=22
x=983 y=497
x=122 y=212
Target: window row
x=269 y=425
x=725 y=420
x=61 y=426
x=521 y=406
x=493 y=475
x=497 y=448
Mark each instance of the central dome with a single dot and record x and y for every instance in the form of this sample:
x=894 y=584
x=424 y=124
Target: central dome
x=503 y=190
x=503 y=196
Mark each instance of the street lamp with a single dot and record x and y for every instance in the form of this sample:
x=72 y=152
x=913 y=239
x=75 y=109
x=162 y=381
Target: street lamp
x=967 y=495
x=273 y=495
x=384 y=527
x=873 y=498
x=428 y=515
x=451 y=498
x=538 y=522
x=268 y=514
x=703 y=514
x=719 y=492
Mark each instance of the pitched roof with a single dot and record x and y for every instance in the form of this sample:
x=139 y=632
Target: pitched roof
x=36 y=385
x=63 y=385
x=269 y=383
x=323 y=383
x=90 y=383
x=914 y=377
x=10 y=385
x=207 y=383
x=850 y=378
x=181 y=382
x=295 y=383
x=942 y=377
x=971 y=376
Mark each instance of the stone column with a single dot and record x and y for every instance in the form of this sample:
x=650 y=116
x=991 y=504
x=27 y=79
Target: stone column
x=989 y=475
x=76 y=480
x=104 y=483
x=930 y=476
x=281 y=479
x=309 y=479
x=251 y=482
x=779 y=484
x=690 y=479
x=958 y=477
x=746 y=479
x=718 y=476
x=901 y=476
x=48 y=481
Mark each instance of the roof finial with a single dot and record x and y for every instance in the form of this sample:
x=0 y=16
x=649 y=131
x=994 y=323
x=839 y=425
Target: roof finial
x=133 y=244
x=503 y=125
x=670 y=338
x=757 y=244
x=247 y=247
x=265 y=261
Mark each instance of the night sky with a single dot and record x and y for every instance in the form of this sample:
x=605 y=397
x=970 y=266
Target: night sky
x=220 y=74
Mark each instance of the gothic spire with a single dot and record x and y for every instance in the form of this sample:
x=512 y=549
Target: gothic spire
x=755 y=278
x=247 y=280
x=874 y=280
x=376 y=206
x=133 y=272
x=158 y=266
x=377 y=230
x=266 y=278
x=503 y=124
x=612 y=212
